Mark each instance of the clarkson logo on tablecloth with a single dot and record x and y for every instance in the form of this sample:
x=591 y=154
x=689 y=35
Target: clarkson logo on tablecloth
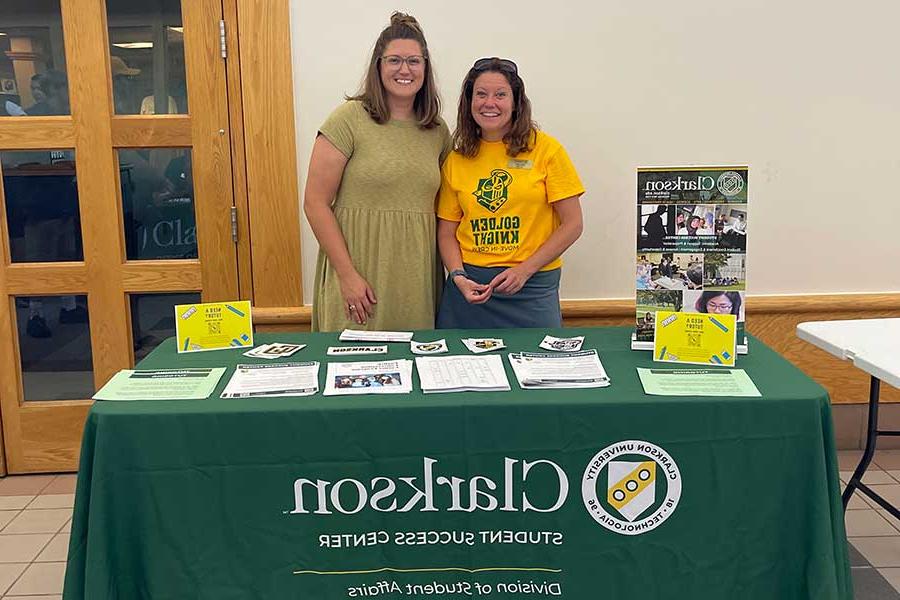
x=631 y=487
x=433 y=491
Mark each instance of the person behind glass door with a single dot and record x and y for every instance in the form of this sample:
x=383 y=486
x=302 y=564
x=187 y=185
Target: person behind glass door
x=124 y=92
x=52 y=95
x=36 y=92
x=51 y=223
x=373 y=178
x=509 y=207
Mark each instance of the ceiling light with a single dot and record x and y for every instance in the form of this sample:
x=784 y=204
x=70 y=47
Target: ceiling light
x=134 y=45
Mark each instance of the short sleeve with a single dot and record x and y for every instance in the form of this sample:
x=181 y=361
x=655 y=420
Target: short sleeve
x=448 y=207
x=338 y=128
x=446 y=142
x=562 y=178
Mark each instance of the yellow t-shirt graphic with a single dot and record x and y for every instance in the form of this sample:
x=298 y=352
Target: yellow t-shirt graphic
x=493 y=191
x=503 y=204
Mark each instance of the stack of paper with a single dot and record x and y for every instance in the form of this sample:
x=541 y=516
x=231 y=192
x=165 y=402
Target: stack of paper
x=382 y=377
x=161 y=384
x=357 y=335
x=461 y=374
x=285 y=379
x=571 y=370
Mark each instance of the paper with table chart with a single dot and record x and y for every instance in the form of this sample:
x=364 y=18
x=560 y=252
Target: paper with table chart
x=371 y=377
x=161 y=384
x=280 y=379
x=462 y=374
x=536 y=370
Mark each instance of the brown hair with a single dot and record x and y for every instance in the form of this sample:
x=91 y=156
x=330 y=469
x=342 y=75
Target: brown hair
x=522 y=131
x=427 y=104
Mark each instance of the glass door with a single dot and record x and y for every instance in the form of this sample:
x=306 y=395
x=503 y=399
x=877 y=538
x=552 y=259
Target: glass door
x=116 y=200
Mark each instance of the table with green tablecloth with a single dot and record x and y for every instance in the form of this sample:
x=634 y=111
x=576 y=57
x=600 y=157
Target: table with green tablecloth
x=575 y=493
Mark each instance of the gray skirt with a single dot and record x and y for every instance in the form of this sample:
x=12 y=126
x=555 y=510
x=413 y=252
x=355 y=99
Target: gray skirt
x=535 y=305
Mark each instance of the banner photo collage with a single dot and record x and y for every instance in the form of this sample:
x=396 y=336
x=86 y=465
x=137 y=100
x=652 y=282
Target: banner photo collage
x=691 y=243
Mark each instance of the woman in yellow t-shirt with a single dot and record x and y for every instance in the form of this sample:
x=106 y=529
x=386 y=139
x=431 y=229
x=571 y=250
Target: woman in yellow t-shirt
x=508 y=208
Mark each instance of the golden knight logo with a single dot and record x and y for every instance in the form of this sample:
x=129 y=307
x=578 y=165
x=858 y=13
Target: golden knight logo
x=493 y=191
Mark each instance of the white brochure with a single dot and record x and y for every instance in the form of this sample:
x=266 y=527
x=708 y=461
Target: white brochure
x=462 y=373
x=253 y=352
x=572 y=370
x=479 y=345
x=384 y=377
x=356 y=335
x=277 y=350
x=280 y=379
x=562 y=344
x=339 y=350
x=435 y=347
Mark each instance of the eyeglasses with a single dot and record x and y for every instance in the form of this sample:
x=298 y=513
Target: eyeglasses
x=716 y=307
x=482 y=64
x=414 y=62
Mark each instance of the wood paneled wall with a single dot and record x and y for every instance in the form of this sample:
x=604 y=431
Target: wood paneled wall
x=269 y=149
x=772 y=319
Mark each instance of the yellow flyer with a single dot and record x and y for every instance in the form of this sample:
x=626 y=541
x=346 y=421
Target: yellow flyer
x=213 y=326
x=695 y=338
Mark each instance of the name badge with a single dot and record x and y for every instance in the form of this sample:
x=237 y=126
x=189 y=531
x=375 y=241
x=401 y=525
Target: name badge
x=515 y=163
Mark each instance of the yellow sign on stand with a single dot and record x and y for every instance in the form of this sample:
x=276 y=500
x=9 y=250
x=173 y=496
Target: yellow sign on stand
x=213 y=326
x=695 y=338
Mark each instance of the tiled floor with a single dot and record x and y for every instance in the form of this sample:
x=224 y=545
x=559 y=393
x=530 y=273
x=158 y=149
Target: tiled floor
x=36 y=511
x=873 y=533
x=35 y=520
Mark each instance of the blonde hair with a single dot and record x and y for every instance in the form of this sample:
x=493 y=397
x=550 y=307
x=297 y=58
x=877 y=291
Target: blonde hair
x=427 y=104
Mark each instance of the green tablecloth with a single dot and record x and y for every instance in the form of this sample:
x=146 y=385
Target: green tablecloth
x=462 y=495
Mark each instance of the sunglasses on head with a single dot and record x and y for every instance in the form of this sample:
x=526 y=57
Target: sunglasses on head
x=482 y=64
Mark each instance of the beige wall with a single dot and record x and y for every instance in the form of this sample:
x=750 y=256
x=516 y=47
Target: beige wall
x=802 y=92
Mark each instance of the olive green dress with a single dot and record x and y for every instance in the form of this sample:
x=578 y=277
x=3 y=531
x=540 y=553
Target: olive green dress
x=385 y=209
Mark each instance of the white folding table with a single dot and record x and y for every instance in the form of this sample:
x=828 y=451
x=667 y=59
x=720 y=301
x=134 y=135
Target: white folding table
x=873 y=345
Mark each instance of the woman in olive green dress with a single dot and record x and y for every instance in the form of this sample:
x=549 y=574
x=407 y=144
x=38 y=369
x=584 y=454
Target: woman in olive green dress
x=370 y=193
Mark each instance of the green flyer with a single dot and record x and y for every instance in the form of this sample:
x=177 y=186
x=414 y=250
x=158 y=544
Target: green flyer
x=697 y=382
x=161 y=384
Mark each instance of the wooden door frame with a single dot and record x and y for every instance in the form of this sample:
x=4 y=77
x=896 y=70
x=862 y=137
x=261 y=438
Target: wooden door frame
x=260 y=129
x=93 y=125
x=264 y=151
